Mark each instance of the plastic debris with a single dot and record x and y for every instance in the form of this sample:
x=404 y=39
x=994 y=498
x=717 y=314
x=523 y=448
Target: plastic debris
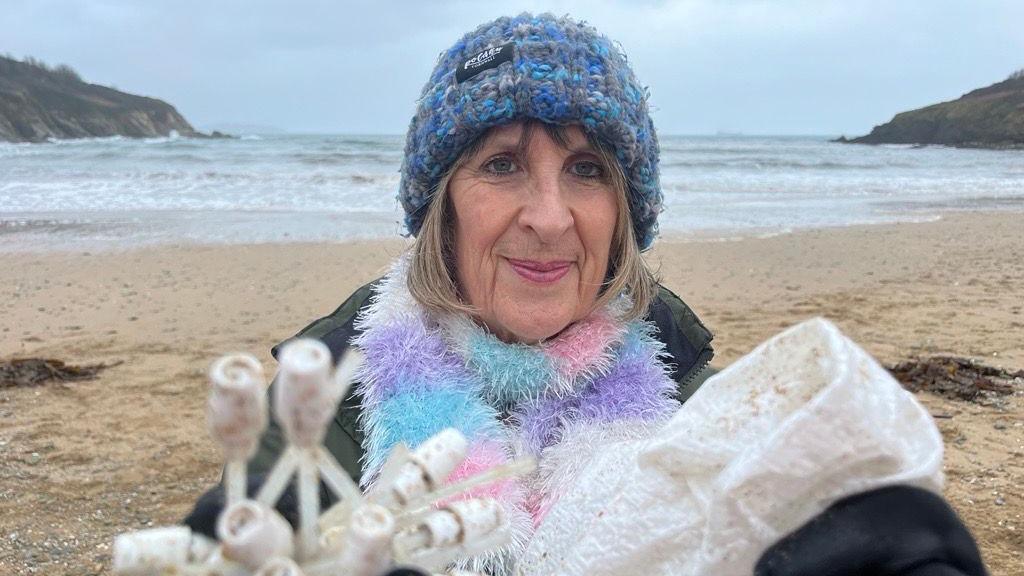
x=802 y=421
x=410 y=519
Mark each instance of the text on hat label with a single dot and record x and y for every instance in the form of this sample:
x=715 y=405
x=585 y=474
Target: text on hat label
x=490 y=58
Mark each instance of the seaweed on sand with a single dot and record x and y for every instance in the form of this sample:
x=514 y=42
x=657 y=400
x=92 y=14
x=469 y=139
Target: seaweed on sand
x=26 y=372
x=957 y=378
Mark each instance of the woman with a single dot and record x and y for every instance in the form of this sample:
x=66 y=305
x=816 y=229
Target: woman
x=524 y=316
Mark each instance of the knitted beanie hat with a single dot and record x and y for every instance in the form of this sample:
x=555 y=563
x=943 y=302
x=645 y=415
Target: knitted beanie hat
x=541 y=67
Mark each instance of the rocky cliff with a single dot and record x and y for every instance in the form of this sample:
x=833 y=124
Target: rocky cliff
x=37 y=103
x=991 y=117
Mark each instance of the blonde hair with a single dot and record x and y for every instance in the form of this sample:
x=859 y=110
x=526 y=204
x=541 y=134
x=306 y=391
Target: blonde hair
x=432 y=273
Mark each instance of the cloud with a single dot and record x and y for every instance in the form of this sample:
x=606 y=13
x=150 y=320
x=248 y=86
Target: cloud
x=795 y=66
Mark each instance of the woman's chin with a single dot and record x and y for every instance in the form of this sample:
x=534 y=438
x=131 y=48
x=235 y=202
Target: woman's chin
x=529 y=312
x=531 y=328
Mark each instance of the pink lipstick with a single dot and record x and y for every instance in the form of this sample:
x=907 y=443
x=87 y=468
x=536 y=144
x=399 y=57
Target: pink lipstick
x=541 y=272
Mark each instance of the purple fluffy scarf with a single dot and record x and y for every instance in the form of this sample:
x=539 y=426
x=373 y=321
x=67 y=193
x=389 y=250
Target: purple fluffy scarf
x=600 y=381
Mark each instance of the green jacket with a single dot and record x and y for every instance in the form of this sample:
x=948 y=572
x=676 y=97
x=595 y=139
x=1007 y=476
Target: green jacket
x=687 y=342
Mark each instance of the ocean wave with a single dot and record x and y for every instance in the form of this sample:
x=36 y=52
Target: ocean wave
x=11 y=149
x=712 y=150
x=980 y=202
x=187 y=157
x=909 y=146
x=775 y=163
x=172 y=137
x=362 y=178
x=183 y=176
x=86 y=141
x=344 y=157
x=13 y=226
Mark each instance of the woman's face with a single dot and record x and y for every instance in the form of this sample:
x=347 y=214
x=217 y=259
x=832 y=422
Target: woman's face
x=534 y=227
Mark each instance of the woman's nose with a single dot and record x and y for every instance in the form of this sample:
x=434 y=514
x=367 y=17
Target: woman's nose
x=546 y=211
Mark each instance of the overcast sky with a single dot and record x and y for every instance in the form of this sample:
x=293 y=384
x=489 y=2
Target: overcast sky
x=758 y=67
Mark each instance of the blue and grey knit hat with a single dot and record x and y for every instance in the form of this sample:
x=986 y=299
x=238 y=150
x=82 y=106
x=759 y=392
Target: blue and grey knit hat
x=550 y=69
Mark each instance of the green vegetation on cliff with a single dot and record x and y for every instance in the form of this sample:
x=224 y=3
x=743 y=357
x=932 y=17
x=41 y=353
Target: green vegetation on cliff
x=38 y=103
x=991 y=117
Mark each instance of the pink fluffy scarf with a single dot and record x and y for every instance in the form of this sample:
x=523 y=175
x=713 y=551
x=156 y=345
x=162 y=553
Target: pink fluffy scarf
x=599 y=381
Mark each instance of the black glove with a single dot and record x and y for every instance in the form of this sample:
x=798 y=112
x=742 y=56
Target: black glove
x=203 y=518
x=894 y=531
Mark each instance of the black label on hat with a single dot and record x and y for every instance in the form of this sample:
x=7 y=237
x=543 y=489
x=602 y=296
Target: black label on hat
x=485 y=60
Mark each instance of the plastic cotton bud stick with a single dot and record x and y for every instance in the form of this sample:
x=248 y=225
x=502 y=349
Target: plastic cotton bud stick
x=236 y=415
x=251 y=533
x=305 y=396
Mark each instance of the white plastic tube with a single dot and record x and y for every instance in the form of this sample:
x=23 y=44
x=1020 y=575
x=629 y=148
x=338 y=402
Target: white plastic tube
x=440 y=455
x=442 y=528
x=309 y=504
x=364 y=549
x=346 y=372
x=251 y=533
x=426 y=469
x=305 y=396
x=337 y=480
x=278 y=478
x=149 y=551
x=478 y=517
x=280 y=566
x=461 y=523
x=236 y=415
x=157 y=549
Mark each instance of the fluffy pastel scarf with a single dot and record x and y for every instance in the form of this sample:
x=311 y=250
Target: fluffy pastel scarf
x=599 y=381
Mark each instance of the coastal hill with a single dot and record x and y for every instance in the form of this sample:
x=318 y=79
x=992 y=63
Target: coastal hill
x=38 y=103
x=991 y=117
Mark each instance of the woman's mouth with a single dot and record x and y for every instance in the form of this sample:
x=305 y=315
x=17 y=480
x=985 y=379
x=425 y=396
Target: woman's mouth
x=540 y=272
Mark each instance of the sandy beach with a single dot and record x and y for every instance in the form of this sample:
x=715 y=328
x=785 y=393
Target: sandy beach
x=84 y=461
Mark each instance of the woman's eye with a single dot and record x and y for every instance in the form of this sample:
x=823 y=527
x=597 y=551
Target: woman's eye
x=500 y=166
x=587 y=169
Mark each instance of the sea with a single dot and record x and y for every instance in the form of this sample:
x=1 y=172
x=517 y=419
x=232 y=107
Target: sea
x=119 y=193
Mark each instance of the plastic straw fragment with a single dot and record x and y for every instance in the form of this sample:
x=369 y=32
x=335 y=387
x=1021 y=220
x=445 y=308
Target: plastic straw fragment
x=415 y=509
x=309 y=504
x=337 y=480
x=235 y=481
x=278 y=478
